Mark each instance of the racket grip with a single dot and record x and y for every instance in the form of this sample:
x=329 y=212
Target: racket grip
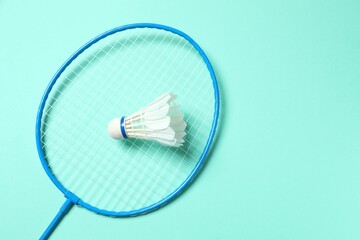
x=57 y=219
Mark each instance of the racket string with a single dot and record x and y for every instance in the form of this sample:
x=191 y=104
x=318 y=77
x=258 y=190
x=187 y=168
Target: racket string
x=156 y=187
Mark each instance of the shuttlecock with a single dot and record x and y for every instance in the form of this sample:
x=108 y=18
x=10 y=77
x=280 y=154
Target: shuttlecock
x=160 y=121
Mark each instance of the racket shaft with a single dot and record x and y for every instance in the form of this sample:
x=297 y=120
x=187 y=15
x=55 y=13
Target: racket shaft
x=57 y=219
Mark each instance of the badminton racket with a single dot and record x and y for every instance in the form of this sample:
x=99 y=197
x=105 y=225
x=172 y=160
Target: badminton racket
x=117 y=72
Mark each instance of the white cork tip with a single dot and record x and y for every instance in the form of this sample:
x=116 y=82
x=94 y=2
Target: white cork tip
x=114 y=129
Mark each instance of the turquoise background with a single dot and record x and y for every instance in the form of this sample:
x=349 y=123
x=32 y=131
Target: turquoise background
x=286 y=164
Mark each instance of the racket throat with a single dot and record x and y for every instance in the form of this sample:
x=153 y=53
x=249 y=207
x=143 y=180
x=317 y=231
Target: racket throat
x=72 y=197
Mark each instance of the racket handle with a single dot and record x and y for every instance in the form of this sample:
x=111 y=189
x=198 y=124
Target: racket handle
x=57 y=219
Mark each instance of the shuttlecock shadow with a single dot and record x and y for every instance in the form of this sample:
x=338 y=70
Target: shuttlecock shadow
x=151 y=146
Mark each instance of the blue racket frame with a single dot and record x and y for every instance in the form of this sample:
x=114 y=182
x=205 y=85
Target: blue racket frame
x=71 y=198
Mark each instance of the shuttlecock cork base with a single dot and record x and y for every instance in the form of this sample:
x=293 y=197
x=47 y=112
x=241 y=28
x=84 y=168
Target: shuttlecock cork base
x=160 y=121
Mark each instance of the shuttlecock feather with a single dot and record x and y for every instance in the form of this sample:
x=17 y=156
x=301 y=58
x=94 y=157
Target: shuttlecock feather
x=160 y=121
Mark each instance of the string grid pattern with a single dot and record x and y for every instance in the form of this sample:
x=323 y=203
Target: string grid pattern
x=115 y=77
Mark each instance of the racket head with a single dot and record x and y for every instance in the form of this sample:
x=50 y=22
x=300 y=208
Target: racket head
x=45 y=107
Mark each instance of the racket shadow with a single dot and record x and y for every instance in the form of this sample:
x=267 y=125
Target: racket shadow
x=217 y=137
x=186 y=149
